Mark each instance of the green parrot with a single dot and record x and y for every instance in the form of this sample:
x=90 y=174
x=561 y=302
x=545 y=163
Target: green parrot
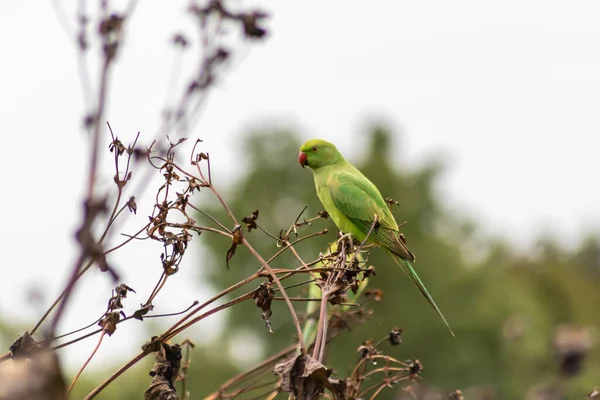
x=353 y=202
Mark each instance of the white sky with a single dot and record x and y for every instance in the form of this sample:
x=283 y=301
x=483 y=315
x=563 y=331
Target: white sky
x=507 y=93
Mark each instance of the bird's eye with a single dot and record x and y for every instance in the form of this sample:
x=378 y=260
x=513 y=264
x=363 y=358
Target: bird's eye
x=314 y=148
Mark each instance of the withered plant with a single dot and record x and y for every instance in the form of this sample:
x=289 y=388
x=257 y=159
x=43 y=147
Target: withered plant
x=334 y=296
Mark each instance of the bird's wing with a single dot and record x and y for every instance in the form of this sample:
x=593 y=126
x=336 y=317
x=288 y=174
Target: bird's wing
x=359 y=200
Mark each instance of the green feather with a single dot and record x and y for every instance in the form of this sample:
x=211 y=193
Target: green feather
x=359 y=200
x=412 y=274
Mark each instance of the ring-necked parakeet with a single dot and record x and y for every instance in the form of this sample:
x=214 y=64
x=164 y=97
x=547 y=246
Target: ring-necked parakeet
x=353 y=202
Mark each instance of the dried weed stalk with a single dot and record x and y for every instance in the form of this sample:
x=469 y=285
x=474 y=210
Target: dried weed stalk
x=336 y=280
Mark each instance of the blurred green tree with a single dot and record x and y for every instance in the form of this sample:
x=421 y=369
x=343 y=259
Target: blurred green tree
x=503 y=309
x=524 y=322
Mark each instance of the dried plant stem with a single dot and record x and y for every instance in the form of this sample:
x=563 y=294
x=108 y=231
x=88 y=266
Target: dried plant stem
x=213 y=219
x=287 y=272
x=76 y=330
x=115 y=375
x=164 y=337
x=86 y=362
x=199 y=229
x=299 y=284
x=159 y=285
x=262 y=395
x=94 y=149
x=174 y=313
x=363 y=361
x=62 y=301
x=96 y=134
x=379 y=389
x=288 y=244
x=184 y=371
x=273 y=395
x=114 y=214
x=235 y=301
x=49 y=310
x=250 y=386
x=316 y=299
x=262 y=261
x=87 y=335
x=211 y=300
x=265 y=363
x=283 y=293
x=303 y=264
x=129 y=239
x=384 y=369
x=61 y=296
x=223 y=203
x=330 y=287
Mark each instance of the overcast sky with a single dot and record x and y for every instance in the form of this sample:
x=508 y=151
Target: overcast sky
x=506 y=93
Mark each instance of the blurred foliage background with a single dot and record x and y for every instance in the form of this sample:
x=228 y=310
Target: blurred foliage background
x=524 y=321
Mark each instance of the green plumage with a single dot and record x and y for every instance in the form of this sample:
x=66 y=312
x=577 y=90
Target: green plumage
x=353 y=201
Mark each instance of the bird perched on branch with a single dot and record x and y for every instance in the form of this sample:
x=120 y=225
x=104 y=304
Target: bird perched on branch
x=357 y=207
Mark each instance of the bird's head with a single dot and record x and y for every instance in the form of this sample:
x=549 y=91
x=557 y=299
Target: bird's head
x=317 y=153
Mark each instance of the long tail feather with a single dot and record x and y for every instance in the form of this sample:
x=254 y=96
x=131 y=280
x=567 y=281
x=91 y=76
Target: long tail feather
x=412 y=274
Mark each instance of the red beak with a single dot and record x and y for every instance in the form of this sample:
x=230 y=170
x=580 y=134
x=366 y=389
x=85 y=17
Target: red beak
x=302 y=159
